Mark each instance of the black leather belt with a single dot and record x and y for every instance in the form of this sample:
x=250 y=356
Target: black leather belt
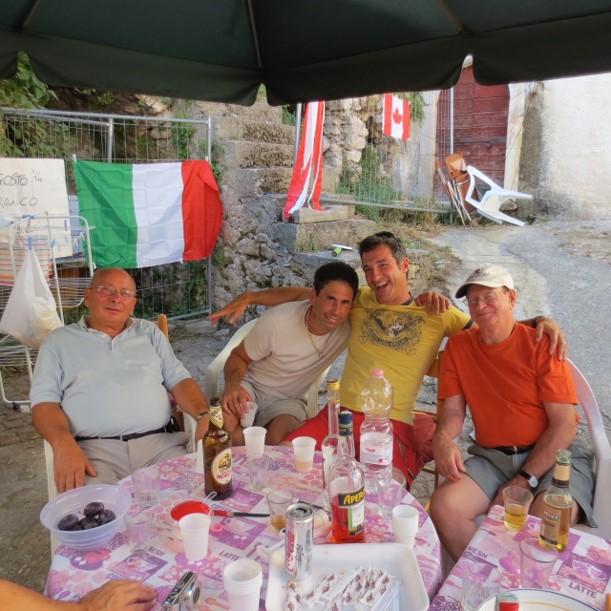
x=170 y=427
x=514 y=449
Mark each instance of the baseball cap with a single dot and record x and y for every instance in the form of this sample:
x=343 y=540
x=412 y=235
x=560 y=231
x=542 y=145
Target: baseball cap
x=493 y=276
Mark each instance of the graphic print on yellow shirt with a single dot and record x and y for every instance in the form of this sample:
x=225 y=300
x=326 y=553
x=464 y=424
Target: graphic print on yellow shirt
x=402 y=340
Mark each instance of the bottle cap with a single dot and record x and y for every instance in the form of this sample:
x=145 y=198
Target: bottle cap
x=377 y=373
x=333 y=384
x=345 y=422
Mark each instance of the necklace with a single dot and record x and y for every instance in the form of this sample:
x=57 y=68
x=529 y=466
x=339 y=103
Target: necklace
x=324 y=347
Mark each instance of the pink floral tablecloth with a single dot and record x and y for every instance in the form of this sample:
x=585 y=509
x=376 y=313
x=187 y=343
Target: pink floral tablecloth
x=493 y=559
x=73 y=574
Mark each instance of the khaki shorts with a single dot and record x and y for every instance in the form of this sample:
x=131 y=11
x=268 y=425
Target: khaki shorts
x=269 y=406
x=490 y=469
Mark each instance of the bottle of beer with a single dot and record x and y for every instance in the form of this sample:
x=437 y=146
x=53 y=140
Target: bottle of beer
x=558 y=504
x=217 y=454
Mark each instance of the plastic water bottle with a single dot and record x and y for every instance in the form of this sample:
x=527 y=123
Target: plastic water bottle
x=376 y=431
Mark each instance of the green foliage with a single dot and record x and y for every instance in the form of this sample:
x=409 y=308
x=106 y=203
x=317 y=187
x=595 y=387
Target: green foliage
x=24 y=90
x=288 y=115
x=182 y=134
x=367 y=185
x=216 y=158
x=417 y=104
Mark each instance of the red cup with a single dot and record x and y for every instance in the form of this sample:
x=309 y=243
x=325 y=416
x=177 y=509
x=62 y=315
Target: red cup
x=187 y=507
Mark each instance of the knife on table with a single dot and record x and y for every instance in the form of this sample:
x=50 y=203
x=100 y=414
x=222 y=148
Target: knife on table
x=227 y=513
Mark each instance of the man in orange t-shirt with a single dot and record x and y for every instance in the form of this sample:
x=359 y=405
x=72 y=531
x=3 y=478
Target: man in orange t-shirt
x=521 y=400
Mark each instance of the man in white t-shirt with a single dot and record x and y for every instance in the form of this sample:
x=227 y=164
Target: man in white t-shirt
x=285 y=352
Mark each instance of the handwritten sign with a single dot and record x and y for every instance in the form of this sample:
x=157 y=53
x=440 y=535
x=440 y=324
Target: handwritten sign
x=33 y=187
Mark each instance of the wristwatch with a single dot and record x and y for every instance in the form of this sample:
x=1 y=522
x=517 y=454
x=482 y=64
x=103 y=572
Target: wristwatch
x=200 y=416
x=533 y=481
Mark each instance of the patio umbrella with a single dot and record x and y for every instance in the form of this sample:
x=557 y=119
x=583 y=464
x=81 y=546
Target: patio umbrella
x=222 y=50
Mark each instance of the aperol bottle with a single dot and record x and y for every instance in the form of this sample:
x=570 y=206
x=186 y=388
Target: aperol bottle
x=346 y=487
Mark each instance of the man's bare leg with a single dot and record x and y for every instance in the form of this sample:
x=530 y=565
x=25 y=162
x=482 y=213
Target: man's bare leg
x=279 y=427
x=454 y=508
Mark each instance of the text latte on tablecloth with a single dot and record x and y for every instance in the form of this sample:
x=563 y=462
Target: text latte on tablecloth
x=73 y=574
x=492 y=558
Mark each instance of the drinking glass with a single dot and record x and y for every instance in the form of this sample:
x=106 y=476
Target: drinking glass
x=146 y=486
x=517 y=502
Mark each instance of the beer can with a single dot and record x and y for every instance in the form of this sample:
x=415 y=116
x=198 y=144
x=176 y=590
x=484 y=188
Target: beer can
x=299 y=541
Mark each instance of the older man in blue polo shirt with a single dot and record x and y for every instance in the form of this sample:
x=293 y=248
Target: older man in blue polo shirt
x=100 y=390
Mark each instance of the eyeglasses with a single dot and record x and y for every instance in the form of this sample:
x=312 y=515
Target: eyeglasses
x=111 y=291
x=486 y=299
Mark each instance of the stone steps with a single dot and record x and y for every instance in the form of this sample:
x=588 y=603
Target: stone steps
x=229 y=129
x=319 y=236
x=249 y=182
x=246 y=154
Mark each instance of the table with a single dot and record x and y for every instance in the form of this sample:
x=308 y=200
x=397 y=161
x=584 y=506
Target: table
x=493 y=559
x=73 y=574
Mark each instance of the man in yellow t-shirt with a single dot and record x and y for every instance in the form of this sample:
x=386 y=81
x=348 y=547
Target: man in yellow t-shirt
x=388 y=331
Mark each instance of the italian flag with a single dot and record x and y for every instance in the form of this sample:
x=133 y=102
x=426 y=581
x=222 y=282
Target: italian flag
x=149 y=214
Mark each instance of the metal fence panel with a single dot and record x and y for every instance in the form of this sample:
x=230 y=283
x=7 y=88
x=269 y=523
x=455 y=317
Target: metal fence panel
x=177 y=290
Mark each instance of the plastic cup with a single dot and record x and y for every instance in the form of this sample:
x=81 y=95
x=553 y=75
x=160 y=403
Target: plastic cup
x=248 y=419
x=242 y=580
x=139 y=529
x=390 y=492
x=195 y=528
x=517 y=502
x=405 y=523
x=536 y=563
x=257 y=470
x=254 y=438
x=303 y=448
x=278 y=502
x=146 y=486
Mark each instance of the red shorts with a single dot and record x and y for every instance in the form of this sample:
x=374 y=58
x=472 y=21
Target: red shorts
x=412 y=447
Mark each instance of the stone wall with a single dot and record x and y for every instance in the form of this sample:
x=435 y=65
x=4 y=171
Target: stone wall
x=558 y=138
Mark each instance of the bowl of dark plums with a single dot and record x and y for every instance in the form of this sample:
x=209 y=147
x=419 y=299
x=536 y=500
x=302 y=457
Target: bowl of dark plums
x=86 y=518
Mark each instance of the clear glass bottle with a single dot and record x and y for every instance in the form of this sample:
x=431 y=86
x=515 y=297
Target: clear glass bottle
x=330 y=443
x=346 y=488
x=217 y=454
x=376 y=446
x=558 y=504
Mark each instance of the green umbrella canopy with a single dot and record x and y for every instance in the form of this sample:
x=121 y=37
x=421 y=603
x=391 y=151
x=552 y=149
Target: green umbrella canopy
x=222 y=50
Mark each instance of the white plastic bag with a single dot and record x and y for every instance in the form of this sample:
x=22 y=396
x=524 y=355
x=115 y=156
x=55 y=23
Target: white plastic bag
x=30 y=313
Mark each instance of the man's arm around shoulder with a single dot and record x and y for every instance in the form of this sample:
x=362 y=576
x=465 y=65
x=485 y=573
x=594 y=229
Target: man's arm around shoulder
x=268 y=297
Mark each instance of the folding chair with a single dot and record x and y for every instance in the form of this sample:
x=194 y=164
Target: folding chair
x=450 y=188
x=489 y=204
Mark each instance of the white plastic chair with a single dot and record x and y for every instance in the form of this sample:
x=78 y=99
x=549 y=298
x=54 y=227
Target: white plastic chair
x=490 y=203
x=602 y=453
x=215 y=369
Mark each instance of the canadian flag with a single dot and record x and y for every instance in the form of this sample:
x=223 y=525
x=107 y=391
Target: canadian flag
x=396 y=117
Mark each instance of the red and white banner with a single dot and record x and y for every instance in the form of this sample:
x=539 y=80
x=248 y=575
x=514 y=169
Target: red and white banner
x=396 y=117
x=306 y=182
